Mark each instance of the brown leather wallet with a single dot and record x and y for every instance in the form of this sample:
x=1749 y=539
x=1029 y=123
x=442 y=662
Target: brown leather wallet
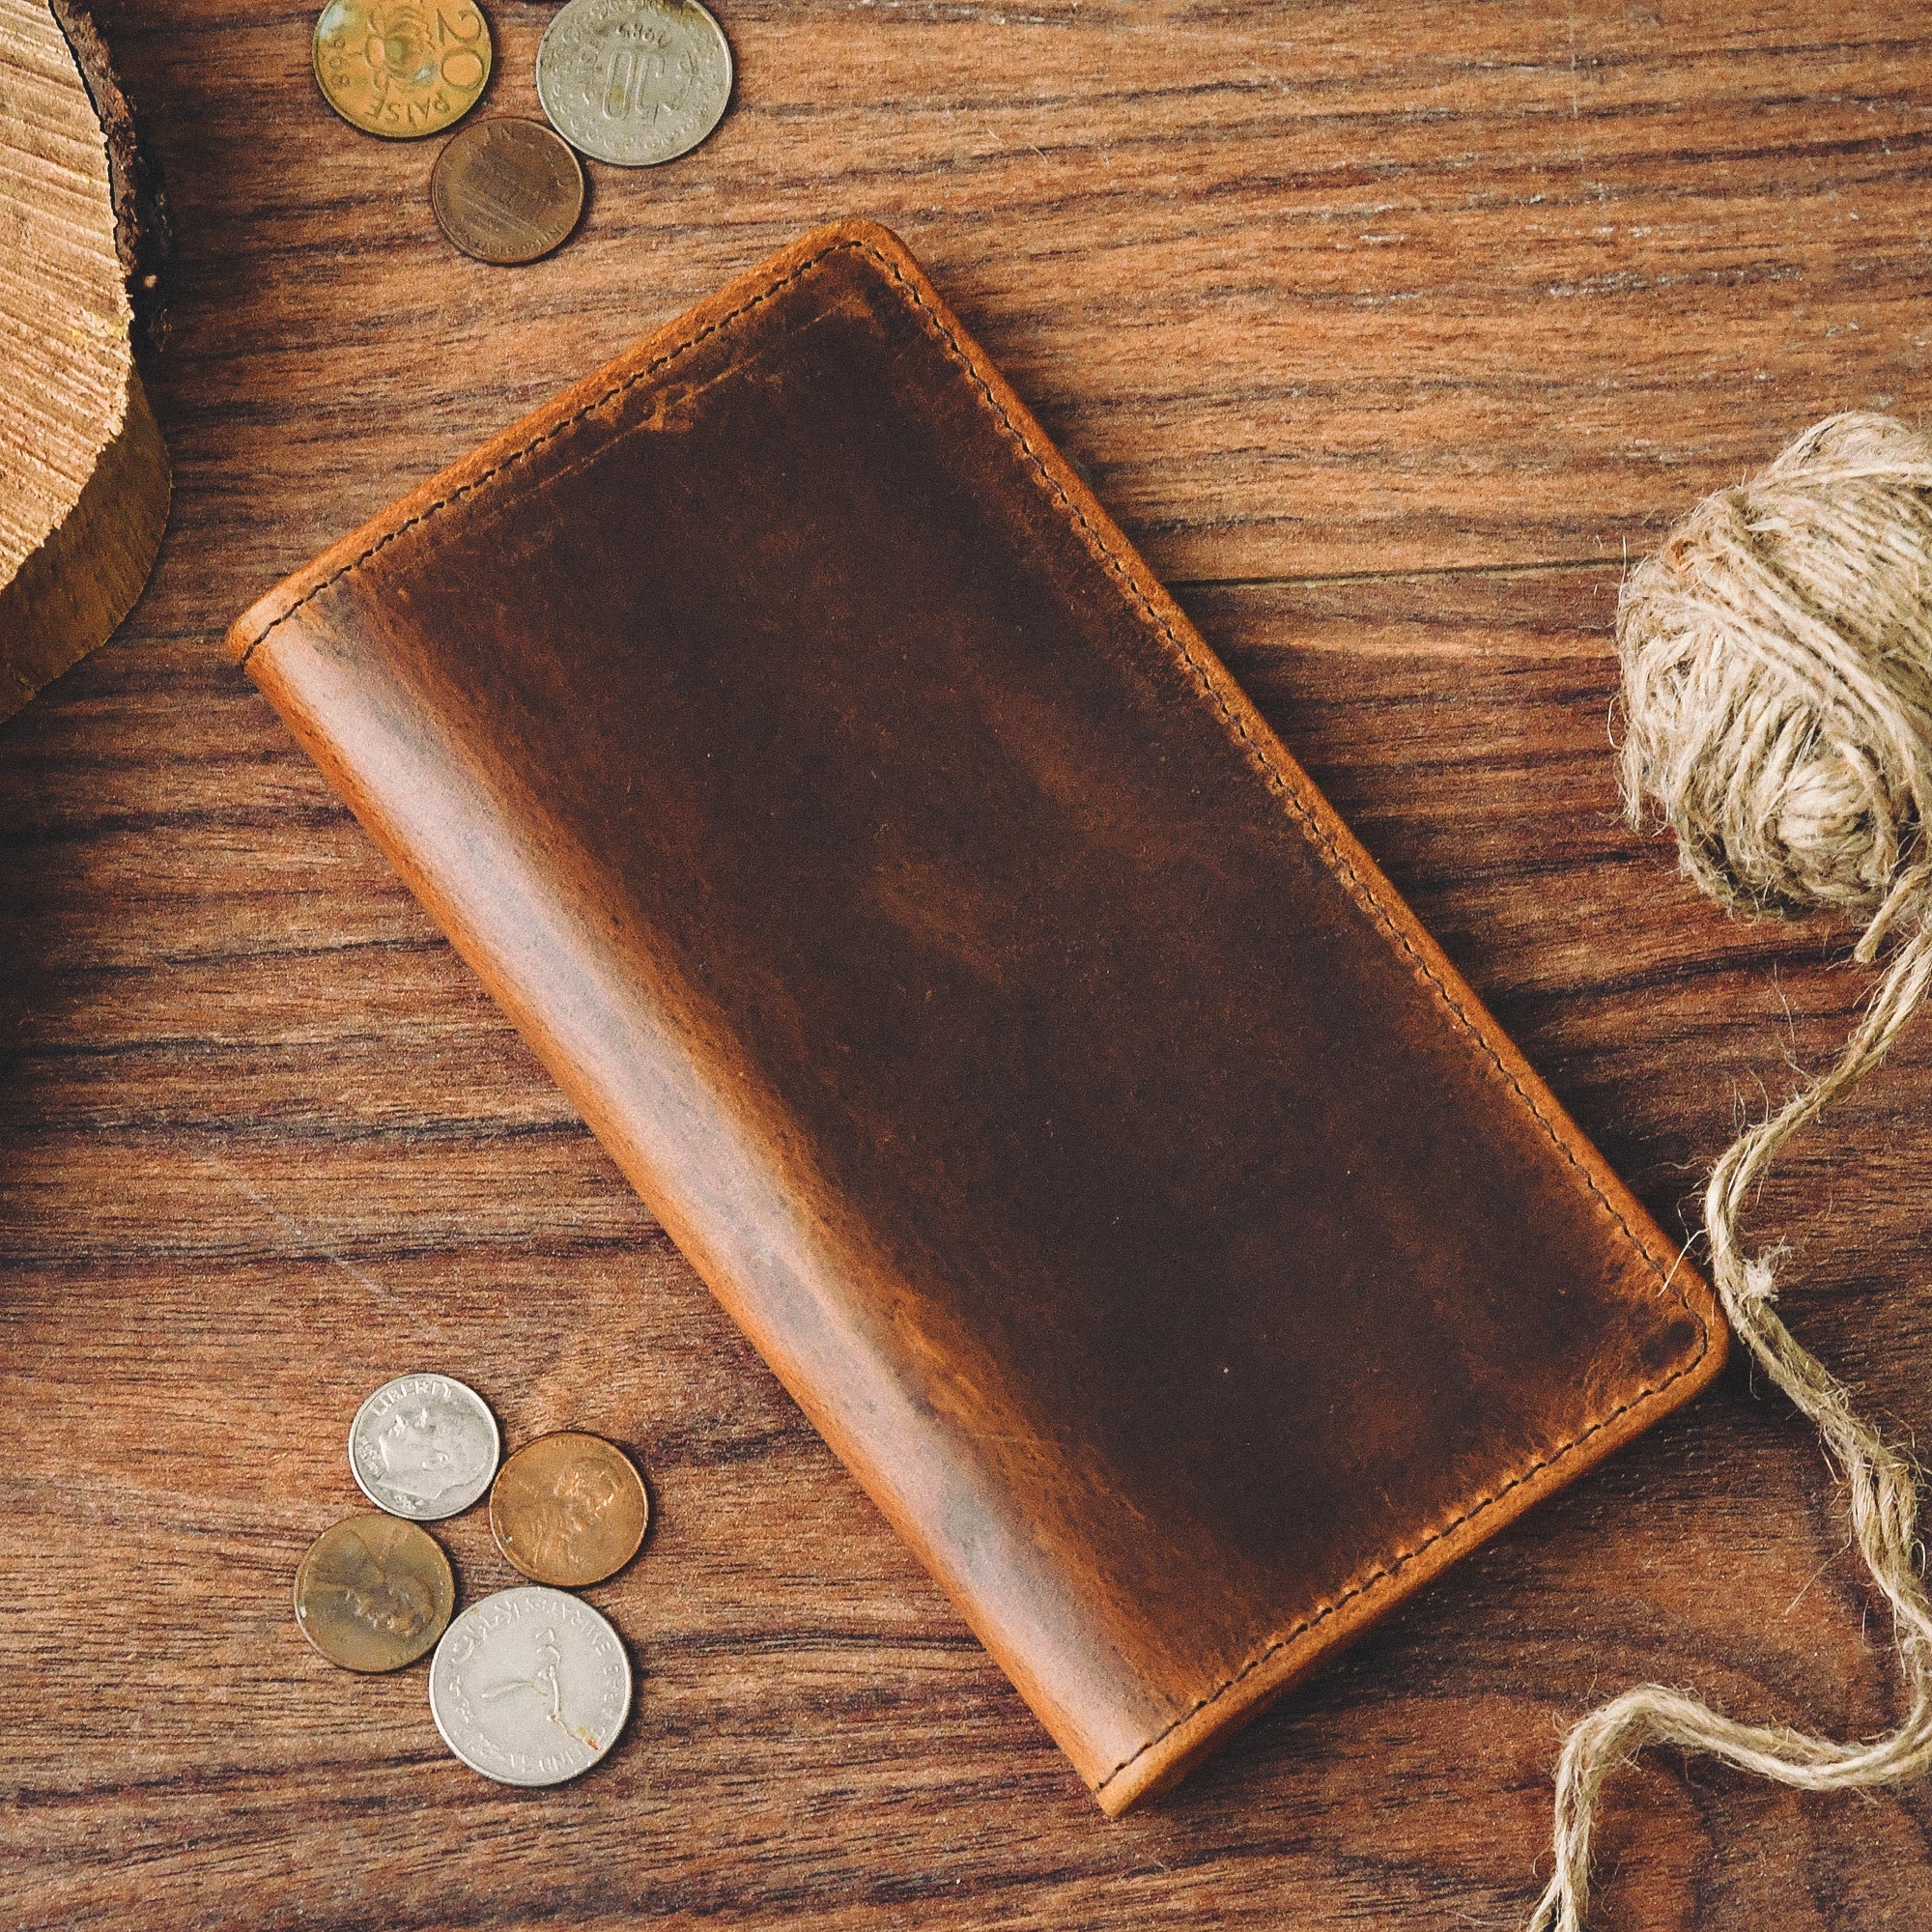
x=1061 y=1099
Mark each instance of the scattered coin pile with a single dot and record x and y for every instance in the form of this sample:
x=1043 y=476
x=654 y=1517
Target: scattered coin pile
x=530 y=1685
x=632 y=82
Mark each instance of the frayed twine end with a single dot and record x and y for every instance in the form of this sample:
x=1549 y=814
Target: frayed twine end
x=1759 y=1287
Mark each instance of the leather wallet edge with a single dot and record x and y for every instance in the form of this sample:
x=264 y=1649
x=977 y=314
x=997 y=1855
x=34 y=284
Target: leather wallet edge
x=561 y=411
x=1287 y=1656
x=1291 y=1655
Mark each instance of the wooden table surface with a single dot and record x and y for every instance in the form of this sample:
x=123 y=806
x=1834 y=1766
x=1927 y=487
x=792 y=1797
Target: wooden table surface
x=1387 y=331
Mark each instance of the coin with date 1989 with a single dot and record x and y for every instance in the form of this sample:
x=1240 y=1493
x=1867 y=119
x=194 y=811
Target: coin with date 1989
x=634 y=82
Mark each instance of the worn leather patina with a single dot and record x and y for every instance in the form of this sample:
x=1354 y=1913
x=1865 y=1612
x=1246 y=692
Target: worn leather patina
x=1091 y=1142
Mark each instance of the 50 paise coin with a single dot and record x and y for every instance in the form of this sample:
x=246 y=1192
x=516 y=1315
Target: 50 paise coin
x=530 y=1685
x=634 y=82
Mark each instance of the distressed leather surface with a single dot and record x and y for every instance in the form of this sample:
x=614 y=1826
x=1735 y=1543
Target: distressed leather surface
x=1056 y=1093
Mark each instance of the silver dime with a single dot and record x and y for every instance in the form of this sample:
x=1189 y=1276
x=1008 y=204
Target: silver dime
x=530 y=1686
x=634 y=81
x=423 y=1447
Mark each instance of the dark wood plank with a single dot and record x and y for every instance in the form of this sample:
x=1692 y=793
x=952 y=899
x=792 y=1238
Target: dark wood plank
x=1308 y=289
x=261 y=1141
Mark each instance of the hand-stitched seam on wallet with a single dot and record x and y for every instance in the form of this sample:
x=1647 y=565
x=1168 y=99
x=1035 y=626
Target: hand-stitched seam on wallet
x=1276 y=781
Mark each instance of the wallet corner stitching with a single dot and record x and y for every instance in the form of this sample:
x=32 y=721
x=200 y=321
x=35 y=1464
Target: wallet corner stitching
x=552 y=431
x=1391 y=1566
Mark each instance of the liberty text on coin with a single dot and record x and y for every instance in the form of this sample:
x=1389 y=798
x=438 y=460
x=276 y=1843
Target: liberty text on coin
x=423 y=1447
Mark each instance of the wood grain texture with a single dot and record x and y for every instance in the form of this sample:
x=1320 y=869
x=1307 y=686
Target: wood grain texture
x=263 y=1143
x=84 y=471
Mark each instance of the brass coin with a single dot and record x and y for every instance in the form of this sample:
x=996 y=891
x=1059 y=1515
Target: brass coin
x=569 y=1509
x=506 y=190
x=402 y=68
x=374 y=1592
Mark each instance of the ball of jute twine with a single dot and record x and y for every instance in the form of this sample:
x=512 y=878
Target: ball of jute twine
x=1777 y=691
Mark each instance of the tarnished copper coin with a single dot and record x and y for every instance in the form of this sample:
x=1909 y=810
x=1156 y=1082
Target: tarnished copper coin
x=506 y=190
x=402 y=68
x=569 y=1509
x=374 y=1592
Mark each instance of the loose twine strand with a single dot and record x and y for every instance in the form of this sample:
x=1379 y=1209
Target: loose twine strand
x=1776 y=661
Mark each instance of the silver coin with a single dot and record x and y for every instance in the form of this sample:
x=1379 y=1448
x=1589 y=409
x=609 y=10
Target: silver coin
x=634 y=81
x=424 y=1447
x=530 y=1686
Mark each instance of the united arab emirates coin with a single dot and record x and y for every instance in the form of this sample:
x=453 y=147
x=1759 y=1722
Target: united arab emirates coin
x=634 y=81
x=423 y=1447
x=506 y=190
x=374 y=1592
x=569 y=1509
x=529 y=1687
x=402 y=68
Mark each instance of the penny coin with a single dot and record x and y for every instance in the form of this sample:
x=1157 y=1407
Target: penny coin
x=569 y=1509
x=374 y=1592
x=634 y=81
x=401 y=68
x=423 y=1447
x=506 y=190
x=529 y=1687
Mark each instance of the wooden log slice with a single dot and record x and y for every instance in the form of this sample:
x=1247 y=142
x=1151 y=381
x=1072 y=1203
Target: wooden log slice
x=84 y=480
